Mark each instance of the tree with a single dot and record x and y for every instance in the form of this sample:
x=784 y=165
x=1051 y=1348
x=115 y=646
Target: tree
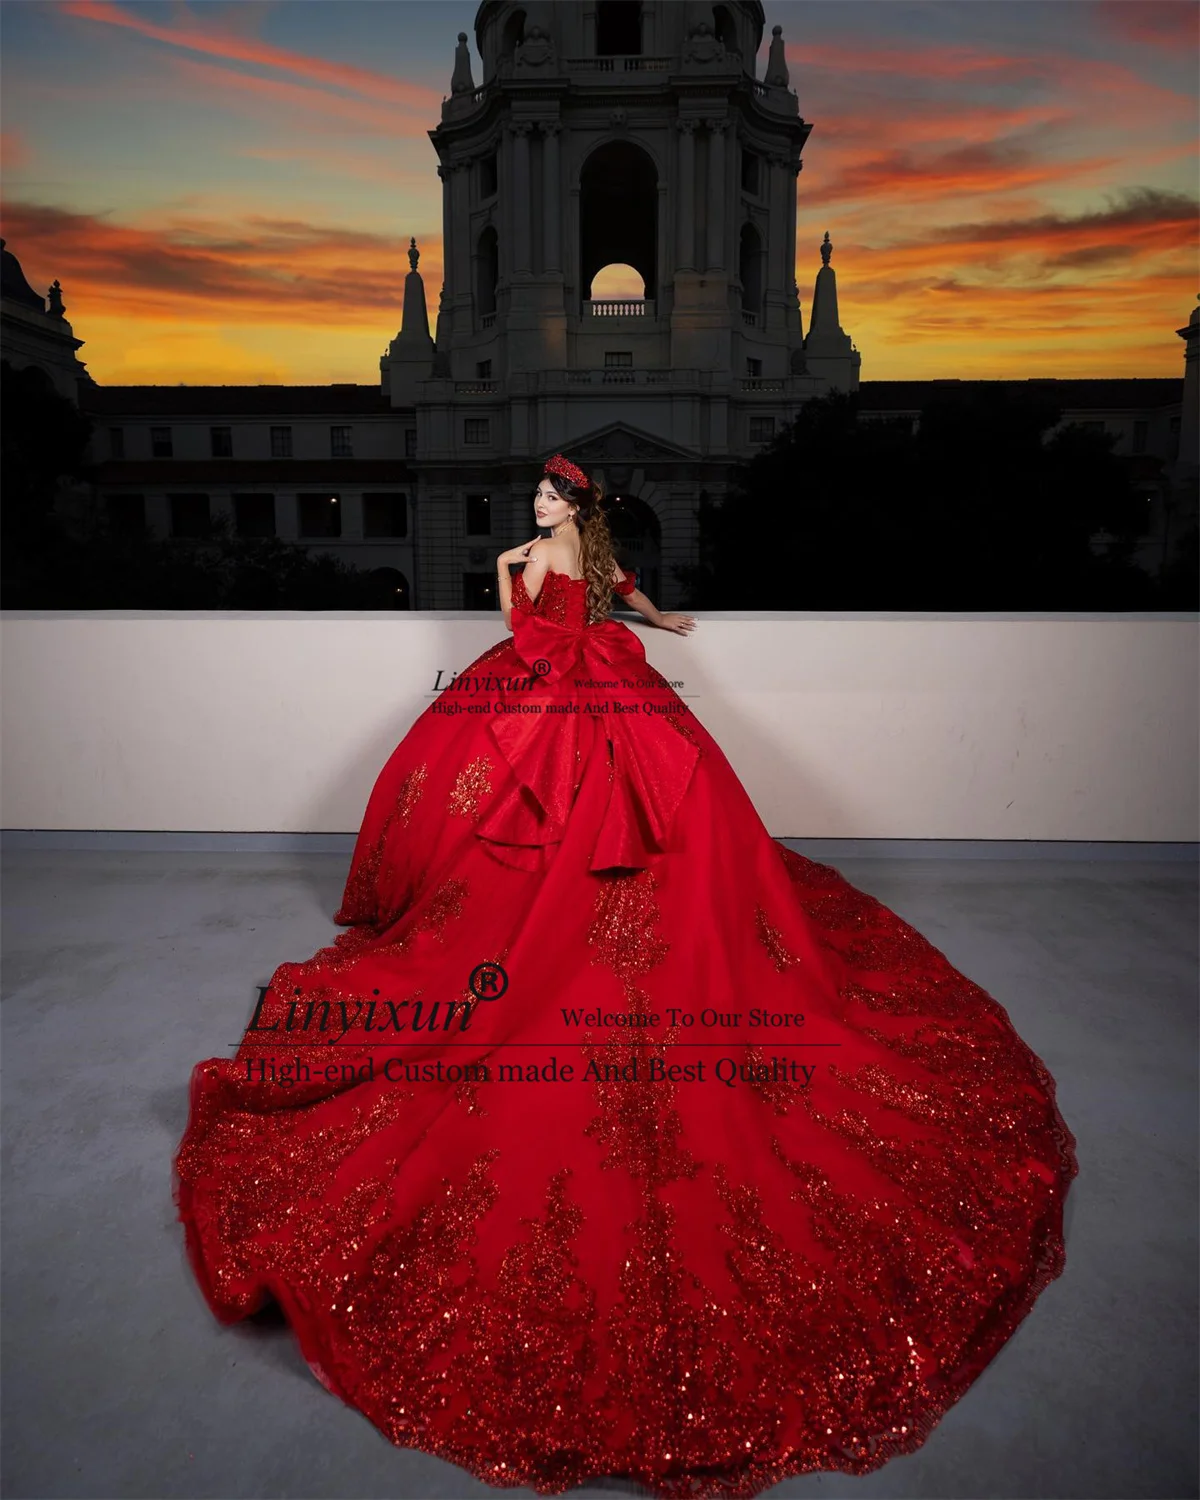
x=983 y=505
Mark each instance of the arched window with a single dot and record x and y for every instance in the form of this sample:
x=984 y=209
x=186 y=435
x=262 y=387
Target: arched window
x=510 y=39
x=618 y=214
x=618 y=28
x=725 y=28
x=387 y=589
x=487 y=270
x=750 y=269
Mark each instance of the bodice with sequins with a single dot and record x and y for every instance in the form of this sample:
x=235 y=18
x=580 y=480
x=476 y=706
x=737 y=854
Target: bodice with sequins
x=560 y=599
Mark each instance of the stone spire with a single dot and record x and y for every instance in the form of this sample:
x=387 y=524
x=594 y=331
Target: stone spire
x=414 y=325
x=827 y=342
x=461 y=81
x=824 y=305
x=777 y=69
x=409 y=357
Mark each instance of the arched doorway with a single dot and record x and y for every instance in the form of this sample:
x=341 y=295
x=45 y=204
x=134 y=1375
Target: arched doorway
x=387 y=589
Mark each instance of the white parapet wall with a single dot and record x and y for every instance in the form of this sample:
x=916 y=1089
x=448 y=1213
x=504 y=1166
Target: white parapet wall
x=853 y=725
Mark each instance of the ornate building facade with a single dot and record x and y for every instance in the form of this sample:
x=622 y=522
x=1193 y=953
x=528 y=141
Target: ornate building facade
x=603 y=133
x=609 y=134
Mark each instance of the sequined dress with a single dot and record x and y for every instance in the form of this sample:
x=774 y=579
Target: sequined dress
x=719 y=1173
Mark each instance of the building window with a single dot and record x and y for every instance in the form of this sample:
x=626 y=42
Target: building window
x=479 y=515
x=1092 y=426
x=281 y=442
x=477 y=430
x=320 y=515
x=618 y=359
x=339 y=443
x=410 y=442
x=749 y=172
x=221 y=439
x=385 y=514
x=483 y=369
x=480 y=591
x=126 y=514
x=762 y=429
x=160 y=442
x=189 y=515
x=254 y=515
x=754 y=368
x=618 y=29
x=116 y=442
x=488 y=179
x=1140 y=431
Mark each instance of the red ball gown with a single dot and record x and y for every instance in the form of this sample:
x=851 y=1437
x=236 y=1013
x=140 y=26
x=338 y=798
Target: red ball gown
x=612 y=1137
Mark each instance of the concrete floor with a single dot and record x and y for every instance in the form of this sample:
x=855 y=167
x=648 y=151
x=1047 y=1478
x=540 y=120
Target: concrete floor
x=123 y=969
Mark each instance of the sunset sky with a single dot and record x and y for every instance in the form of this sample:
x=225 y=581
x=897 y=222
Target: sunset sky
x=226 y=191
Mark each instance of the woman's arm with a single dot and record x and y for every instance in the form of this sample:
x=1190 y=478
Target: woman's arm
x=504 y=577
x=679 y=624
x=536 y=568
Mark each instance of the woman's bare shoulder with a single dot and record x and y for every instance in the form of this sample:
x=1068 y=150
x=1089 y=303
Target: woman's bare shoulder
x=558 y=553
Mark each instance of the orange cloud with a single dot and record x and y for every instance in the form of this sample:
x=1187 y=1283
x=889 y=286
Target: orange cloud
x=1099 y=291
x=274 y=270
x=14 y=151
x=978 y=168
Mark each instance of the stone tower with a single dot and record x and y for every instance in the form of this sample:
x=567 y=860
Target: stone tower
x=610 y=133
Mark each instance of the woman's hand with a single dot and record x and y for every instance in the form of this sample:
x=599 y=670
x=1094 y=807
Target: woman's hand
x=518 y=554
x=680 y=624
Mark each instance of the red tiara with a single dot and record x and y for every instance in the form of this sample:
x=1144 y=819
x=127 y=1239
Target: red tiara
x=565 y=469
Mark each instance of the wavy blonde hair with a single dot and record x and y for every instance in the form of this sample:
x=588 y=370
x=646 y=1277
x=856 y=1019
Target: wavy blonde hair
x=596 y=556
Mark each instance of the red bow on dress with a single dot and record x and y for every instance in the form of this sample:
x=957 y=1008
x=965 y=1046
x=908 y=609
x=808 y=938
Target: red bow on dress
x=652 y=760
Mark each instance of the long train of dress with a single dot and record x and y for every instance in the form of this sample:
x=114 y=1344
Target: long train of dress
x=614 y=1138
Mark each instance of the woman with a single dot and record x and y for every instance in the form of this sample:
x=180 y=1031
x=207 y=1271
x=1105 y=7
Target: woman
x=614 y=1138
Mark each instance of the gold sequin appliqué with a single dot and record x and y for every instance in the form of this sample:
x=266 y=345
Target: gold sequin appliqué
x=534 y=1346
x=623 y=930
x=267 y=1171
x=472 y=786
x=769 y=1082
x=410 y=793
x=677 y=1371
x=446 y=904
x=360 y=900
x=638 y=1124
x=772 y=940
